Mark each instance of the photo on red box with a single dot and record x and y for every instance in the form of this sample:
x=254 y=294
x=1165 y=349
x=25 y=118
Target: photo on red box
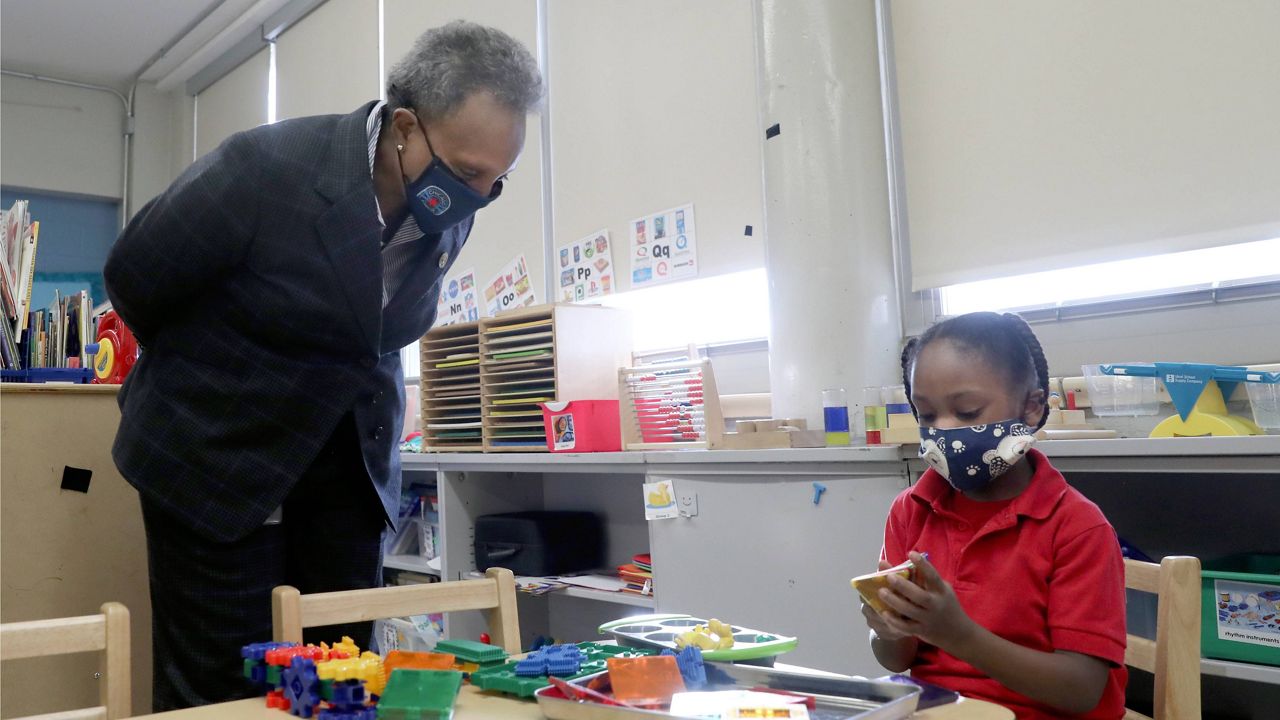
x=582 y=426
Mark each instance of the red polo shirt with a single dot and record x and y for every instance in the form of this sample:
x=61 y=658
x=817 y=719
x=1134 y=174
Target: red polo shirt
x=1044 y=571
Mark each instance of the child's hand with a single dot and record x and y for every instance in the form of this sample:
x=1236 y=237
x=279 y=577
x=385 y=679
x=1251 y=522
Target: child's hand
x=929 y=610
x=876 y=622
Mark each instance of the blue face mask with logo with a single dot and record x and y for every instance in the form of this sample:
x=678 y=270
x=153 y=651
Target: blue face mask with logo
x=971 y=457
x=439 y=199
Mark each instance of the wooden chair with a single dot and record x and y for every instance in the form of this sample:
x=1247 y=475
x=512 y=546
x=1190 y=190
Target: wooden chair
x=292 y=611
x=1174 y=656
x=108 y=631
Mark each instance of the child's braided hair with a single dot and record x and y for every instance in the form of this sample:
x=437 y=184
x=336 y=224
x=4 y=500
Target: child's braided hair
x=1006 y=341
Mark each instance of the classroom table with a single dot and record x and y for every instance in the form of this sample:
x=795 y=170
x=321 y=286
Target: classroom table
x=474 y=703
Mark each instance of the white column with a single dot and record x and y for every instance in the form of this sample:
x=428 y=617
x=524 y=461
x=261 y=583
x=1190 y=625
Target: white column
x=833 y=304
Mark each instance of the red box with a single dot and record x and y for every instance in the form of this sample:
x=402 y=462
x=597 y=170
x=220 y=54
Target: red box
x=582 y=426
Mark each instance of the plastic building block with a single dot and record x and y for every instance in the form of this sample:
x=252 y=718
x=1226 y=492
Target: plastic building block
x=645 y=680
x=472 y=651
x=347 y=648
x=563 y=660
x=302 y=687
x=255 y=663
x=277 y=700
x=506 y=679
x=533 y=666
x=420 y=695
x=348 y=694
x=417 y=661
x=692 y=669
x=367 y=669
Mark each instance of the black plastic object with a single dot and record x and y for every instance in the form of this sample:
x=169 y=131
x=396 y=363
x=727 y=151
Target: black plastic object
x=540 y=542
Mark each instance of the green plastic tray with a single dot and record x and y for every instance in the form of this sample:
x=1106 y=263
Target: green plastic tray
x=659 y=631
x=472 y=651
x=504 y=679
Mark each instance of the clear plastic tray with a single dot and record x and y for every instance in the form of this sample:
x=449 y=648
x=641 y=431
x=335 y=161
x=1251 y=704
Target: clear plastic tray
x=1264 y=398
x=1113 y=395
x=838 y=698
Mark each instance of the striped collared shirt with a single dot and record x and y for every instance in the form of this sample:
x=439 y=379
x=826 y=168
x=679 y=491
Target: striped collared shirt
x=397 y=254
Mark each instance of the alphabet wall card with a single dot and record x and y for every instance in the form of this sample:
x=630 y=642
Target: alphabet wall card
x=586 y=267
x=663 y=247
x=459 y=299
x=511 y=288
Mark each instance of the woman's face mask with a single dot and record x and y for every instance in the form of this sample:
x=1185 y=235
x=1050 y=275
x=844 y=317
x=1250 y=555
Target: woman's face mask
x=439 y=199
x=971 y=457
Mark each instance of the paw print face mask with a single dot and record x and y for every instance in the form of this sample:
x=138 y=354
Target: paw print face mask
x=971 y=457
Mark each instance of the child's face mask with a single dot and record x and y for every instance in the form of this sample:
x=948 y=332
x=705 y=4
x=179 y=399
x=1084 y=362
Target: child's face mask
x=971 y=457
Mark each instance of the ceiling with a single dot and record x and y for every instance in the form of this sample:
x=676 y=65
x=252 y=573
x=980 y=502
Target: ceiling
x=106 y=42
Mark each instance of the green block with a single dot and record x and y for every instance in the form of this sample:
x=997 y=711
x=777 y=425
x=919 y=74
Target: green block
x=273 y=675
x=326 y=690
x=472 y=651
x=419 y=695
x=504 y=679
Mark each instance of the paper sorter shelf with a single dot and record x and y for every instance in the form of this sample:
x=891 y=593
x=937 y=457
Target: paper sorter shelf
x=503 y=329
x=512 y=339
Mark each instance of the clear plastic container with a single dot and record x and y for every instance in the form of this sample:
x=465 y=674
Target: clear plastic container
x=1121 y=394
x=1264 y=398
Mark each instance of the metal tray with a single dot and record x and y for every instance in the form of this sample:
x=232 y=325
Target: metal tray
x=838 y=698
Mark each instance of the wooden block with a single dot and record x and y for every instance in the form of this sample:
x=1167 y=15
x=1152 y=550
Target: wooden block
x=900 y=436
x=767 y=425
x=904 y=422
x=747 y=426
x=768 y=439
x=1073 y=417
x=797 y=423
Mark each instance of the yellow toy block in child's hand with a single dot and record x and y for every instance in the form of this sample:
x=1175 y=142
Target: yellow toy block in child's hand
x=868 y=586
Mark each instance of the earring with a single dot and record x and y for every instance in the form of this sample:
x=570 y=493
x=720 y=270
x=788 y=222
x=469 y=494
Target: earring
x=399 y=148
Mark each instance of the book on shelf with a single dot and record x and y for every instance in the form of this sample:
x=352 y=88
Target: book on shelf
x=30 y=339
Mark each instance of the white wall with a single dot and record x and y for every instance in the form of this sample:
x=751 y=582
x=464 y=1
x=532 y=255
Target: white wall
x=154 y=148
x=61 y=138
x=654 y=105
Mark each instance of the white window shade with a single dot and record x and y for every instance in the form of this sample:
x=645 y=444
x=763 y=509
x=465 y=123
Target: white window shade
x=1042 y=135
x=512 y=224
x=654 y=105
x=236 y=102
x=328 y=61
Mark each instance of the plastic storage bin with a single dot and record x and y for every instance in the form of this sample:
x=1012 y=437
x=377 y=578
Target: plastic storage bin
x=1121 y=394
x=1264 y=398
x=1240 y=606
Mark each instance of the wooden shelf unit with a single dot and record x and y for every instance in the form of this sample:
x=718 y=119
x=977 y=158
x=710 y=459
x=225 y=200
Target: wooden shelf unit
x=450 y=389
x=510 y=365
x=542 y=354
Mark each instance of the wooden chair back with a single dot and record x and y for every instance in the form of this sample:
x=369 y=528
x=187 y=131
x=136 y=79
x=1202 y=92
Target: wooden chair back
x=107 y=632
x=292 y=611
x=1174 y=656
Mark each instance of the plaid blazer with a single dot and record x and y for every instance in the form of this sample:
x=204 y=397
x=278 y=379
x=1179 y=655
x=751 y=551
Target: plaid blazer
x=254 y=284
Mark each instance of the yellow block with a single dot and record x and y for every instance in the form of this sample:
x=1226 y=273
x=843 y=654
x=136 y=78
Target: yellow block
x=903 y=420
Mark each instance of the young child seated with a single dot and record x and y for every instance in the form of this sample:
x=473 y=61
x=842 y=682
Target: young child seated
x=1021 y=598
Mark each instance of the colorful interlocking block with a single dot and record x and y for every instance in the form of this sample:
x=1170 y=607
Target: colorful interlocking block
x=301 y=687
x=367 y=668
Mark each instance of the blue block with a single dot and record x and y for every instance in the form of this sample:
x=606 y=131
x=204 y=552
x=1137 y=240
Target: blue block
x=301 y=687
x=692 y=667
x=348 y=695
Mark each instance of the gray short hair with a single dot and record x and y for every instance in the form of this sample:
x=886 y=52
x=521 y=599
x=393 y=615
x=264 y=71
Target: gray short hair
x=449 y=63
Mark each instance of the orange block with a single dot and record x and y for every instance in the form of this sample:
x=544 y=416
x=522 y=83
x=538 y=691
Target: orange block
x=645 y=680
x=417 y=661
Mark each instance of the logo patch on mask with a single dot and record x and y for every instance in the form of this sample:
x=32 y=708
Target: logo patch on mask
x=435 y=200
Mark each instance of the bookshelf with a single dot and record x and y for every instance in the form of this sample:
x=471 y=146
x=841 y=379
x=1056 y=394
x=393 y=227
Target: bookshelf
x=450 y=387
x=483 y=383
